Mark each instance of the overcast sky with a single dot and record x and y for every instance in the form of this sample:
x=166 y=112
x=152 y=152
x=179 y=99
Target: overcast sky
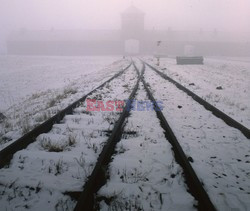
x=105 y=14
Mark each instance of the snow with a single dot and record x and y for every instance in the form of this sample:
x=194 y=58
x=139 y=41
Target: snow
x=78 y=76
x=61 y=160
x=220 y=153
x=231 y=74
x=143 y=172
x=27 y=75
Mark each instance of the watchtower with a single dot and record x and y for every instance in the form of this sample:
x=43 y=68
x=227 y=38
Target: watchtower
x=132 y=23
x=132 y=29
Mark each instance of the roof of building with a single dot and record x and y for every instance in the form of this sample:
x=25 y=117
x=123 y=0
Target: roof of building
x=65 y=35
x=196 y=36
x=115 y=35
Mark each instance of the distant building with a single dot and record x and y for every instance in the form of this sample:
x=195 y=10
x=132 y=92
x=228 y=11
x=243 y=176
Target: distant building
x=132 y=38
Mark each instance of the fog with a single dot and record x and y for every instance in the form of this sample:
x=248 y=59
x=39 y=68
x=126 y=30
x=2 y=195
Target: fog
x=209 y=14
x=223 y=15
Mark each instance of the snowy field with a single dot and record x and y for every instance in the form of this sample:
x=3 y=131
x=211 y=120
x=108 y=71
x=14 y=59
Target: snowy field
x=223 y=82
x=60 y=161
x=220 y=154
x=27 y=75
x=32 y=89
x=143 y=173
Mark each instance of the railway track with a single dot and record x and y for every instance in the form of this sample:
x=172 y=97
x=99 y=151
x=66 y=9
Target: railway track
x=7 y=153
x=91 y=199
x=218 y=146
x=39 y=167
x=125 y=159
x=218 y=113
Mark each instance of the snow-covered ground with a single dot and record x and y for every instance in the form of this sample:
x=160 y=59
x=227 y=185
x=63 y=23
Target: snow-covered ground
x=237 y=59
x=60 y=161
x=220 y=153
x=27 y=75
x=41 y=86
x=143 y=172
x=223 y=82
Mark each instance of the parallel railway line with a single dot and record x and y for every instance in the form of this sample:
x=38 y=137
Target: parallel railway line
x=7 y=153
x=218 y=113
x=97 y=178
x=114 y=126
x=217 y=145
x=49 y=162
